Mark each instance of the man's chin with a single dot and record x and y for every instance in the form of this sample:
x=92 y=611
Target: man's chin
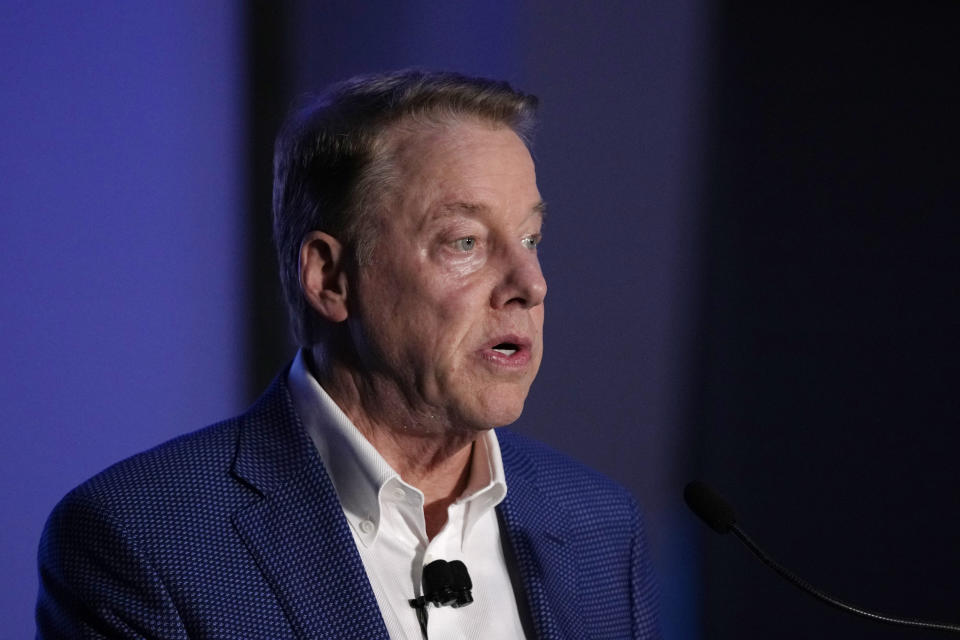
x=500 y=412
x=479 y=407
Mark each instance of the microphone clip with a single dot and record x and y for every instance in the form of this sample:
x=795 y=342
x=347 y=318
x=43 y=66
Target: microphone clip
x=445 y=584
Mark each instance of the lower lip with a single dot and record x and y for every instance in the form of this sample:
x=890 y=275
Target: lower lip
x=516 y=360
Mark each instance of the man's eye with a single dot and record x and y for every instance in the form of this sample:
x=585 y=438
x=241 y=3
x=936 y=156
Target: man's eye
x=532 y=242
x=465 y=244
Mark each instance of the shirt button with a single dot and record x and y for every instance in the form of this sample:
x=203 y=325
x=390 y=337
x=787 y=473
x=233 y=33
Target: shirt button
x=366 y=526
x=399 y=493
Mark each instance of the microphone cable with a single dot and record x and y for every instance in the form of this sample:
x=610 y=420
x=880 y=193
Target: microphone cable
x=719 y=516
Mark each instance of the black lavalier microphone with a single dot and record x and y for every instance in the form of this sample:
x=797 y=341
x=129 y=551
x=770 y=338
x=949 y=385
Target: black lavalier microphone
x=719 y=516
x=445 y=584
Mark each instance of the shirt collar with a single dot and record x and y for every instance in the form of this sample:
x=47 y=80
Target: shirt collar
x=360 y=474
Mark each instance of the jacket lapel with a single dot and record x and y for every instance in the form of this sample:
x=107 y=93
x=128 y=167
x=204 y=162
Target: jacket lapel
x=536 y=530
x=296 y=531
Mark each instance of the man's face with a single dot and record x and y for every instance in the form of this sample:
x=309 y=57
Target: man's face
x=448 y=313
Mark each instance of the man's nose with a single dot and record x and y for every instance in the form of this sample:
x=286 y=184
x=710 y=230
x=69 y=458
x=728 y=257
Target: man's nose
x=522 y=281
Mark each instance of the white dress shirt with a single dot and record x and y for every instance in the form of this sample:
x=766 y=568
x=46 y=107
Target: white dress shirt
x=386 y=517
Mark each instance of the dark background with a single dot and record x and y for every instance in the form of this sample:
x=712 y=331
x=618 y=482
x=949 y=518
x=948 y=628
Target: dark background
x=752 y=251
x=826 y=405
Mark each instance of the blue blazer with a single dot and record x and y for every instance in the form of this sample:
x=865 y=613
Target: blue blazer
x=235 y=531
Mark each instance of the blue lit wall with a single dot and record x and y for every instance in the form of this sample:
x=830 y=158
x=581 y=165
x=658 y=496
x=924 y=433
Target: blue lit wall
x=121 y=216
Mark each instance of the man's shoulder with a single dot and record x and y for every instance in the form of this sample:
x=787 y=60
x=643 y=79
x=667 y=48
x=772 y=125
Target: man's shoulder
x=176 y=459
x=188 y=468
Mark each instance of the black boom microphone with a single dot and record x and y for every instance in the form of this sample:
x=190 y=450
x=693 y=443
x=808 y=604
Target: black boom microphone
x=719 y=516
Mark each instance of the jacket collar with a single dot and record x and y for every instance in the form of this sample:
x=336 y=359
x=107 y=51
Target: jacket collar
x=536 y=528
x=296 y=531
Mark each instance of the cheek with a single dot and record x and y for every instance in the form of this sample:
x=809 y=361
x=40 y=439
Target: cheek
x=453 y=316
x=422 y=311
x=457 y=319
x=418 y=323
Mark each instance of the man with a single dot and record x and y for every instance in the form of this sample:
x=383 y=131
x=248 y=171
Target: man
x=407 y=219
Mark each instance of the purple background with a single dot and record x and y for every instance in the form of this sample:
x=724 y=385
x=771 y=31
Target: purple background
x=751 y=252
x=120 y=176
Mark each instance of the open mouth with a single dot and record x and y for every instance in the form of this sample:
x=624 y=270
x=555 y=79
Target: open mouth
x=506 y=348
x=508 y=352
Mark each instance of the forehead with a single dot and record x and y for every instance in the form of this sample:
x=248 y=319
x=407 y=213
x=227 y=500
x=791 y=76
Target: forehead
x=468 y=148
x=462 y=161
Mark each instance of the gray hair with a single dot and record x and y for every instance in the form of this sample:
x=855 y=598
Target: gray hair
x=331 y=166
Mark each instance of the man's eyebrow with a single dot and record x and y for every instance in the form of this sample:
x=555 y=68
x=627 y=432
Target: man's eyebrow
x=541 y=208
x=459 y=206
x=473 y=208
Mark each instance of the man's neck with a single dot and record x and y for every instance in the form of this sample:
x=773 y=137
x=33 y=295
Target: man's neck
x=428 y=453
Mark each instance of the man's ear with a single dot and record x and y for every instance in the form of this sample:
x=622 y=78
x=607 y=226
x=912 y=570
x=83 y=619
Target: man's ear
x=323 y=277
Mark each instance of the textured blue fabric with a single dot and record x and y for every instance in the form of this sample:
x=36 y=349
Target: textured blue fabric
x=235 y=531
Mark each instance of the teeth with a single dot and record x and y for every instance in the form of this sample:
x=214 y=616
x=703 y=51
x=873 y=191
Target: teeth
x=506 y=352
